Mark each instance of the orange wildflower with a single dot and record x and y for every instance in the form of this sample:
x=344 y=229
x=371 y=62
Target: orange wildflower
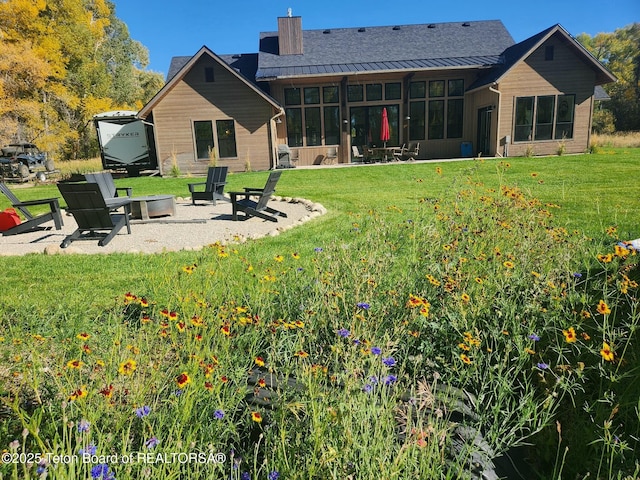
x=128 y=367
x=606 y=352
x=256 y=417
x=80 y=393
x=74 y=364
x=183 y=379
x=603 y=308
x=570 y=335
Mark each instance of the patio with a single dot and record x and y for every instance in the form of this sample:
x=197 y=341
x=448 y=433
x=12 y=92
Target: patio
x=191 y=228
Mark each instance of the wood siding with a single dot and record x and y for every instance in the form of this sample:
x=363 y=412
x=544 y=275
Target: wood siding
x=226 y=98
x=565 y=74
x=290 y=35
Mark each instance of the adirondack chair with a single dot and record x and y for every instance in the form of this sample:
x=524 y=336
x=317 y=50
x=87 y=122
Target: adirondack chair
x=107 y=186
x=257 y=208
x=92 y=214
x=213 y=187
x=31 y=221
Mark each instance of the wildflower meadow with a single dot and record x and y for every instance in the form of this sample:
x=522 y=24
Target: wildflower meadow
x=444 y=337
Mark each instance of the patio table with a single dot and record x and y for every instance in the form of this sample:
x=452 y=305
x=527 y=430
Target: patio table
x=383 y=153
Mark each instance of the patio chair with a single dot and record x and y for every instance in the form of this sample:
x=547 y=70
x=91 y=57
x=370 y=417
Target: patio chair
x=397 y=152
x=412 y=152
x=107 y=186
x=368 y=154
x=31 y=221
x=331 y=156
x=355 y=153
x=94 y=217
x=213 y=187
x=257 y=208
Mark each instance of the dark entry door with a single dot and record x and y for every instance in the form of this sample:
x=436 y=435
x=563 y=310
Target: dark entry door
x=484 y=130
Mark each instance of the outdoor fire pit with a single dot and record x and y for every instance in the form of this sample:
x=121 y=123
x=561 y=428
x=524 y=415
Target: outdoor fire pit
x=153 y=206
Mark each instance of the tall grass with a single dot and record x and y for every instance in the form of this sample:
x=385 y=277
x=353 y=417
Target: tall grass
x=381 y=342
x=617 y=140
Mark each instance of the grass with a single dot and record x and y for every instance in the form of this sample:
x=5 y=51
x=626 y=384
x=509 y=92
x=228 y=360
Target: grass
x=499 y=278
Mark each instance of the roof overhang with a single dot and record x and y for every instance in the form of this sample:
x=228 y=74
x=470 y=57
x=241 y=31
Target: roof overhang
x=401 y=66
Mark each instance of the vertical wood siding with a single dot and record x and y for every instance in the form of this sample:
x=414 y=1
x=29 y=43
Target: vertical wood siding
x=226 y=98
x=565 y=74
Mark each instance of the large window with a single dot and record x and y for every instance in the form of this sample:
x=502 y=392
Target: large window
x=445 y=116
x=226 y=138
x=313 y=126
x=294 y=126
x=203 y=133
x=313 y=116
x=524 y=119
x=553 y=117
x=544 y=117
x=417 y=121
x=564 y=116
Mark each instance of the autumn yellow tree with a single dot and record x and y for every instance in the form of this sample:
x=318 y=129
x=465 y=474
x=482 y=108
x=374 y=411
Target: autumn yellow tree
x=61 y=62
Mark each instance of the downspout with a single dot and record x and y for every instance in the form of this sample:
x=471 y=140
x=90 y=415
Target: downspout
x=274 y=136
x=499 y=93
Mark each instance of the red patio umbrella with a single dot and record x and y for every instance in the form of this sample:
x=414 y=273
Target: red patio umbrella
x=384 y=127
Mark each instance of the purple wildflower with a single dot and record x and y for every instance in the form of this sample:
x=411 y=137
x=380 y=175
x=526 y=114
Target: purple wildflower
x=151 y=443
x=534 y=337
x=317 y=249
x=389 y=361
x=542 y=366
x=373 y=379
x=344 y=333
x=83 y=426
x=273 y=475
x=218 y=414
x=367 y=388
x=102 y=471
x=390 y=379
x=245 y=476
x=376 y=350
x=143 y=411
x=90 y=450
x=363 y=305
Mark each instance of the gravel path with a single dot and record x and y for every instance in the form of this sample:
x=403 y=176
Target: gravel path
x=192 y=228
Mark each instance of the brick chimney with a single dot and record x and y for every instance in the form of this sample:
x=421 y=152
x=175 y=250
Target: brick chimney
x=290 y=35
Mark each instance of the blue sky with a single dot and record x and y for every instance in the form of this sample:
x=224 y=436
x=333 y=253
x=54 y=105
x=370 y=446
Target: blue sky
x=169 y=28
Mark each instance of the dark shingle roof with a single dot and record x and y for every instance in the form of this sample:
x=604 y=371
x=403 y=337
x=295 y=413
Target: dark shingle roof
x=246 y=64
x=425 y=46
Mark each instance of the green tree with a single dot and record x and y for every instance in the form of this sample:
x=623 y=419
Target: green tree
x=620 y=53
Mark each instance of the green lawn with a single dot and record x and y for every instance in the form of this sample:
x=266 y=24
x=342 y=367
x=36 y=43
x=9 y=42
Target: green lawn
x=498 y=278
x=593 y=192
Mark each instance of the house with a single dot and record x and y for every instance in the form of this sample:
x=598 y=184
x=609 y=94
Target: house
x=456 y=88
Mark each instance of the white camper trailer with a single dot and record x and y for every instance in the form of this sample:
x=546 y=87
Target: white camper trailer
x=126 y=142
